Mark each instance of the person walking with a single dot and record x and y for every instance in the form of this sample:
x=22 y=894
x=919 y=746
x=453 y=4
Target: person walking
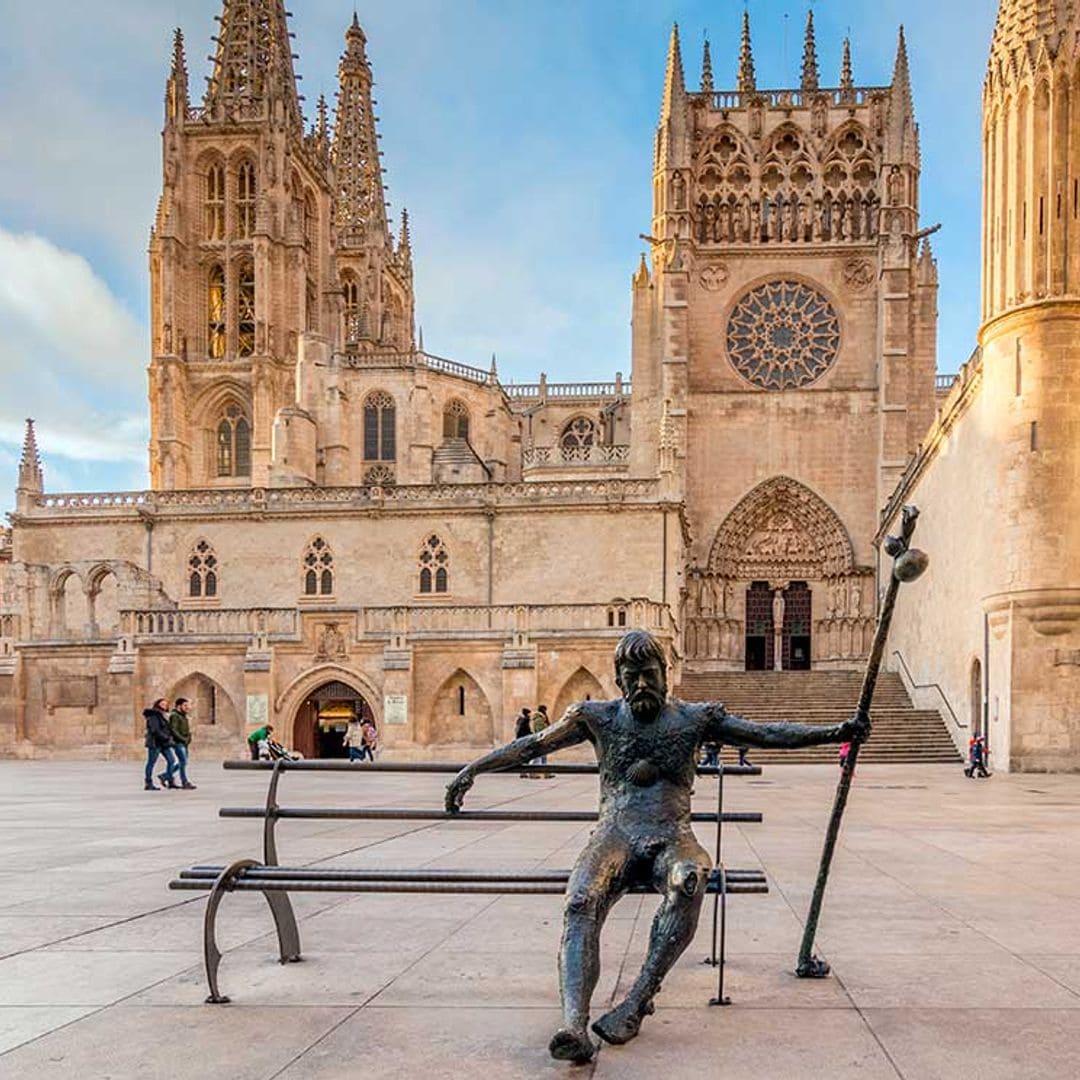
x=371 y=738
x=523 y=723
x=540 y=722
x=259 y=735
x=977 y=754
x=180 y=725
x=710 y=755
x=354 y=739
x=159 y=743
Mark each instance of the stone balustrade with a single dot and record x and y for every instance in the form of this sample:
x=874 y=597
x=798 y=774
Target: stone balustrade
x=500 y=621
x=726 y=100
x=576 y=457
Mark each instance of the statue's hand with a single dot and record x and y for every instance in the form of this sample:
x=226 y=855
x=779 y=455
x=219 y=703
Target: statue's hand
x=456 y=789
x=855 y=730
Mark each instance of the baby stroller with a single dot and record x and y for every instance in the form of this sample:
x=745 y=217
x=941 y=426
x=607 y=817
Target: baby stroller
x=269 y=750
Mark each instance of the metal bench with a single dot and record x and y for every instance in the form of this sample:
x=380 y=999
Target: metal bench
x=275 y=881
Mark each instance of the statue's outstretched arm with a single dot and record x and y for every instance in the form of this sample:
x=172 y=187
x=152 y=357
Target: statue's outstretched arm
x=725 y=727
x=569 y=731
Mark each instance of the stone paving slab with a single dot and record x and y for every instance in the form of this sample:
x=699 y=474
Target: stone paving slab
x=952 y=923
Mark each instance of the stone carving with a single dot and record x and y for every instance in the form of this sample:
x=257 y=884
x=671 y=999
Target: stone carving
x=678 y=192
x=783 y=335
x=781 y=531
x=647 y=748
x=71 y=692
x=858 y=274
x=331 y=643
x=714 y=278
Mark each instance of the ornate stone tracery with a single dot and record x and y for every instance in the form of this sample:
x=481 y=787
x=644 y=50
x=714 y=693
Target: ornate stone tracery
x=781 y=531
x=783 y=335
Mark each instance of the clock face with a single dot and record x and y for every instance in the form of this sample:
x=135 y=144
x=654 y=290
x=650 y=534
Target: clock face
x=783 y=335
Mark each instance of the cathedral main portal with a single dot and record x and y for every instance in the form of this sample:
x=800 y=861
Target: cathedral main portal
x=321 y=721
x=781 y=590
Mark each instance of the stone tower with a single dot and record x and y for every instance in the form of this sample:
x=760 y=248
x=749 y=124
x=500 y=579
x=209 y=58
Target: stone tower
x=787 y=332
x=1030 y=339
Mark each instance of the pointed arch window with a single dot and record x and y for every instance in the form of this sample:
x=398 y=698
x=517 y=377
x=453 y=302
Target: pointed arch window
x=203 y=571
x=310 y=220
x=380 y=417
x=318 y=569
x=350 y=289
x=234 y=443
x=456 y=420
x=434 y=566
x=215 y=202
x=245 y=308
x=246 y=197
x=215 y=315
x=578 y=438
x=311 y=301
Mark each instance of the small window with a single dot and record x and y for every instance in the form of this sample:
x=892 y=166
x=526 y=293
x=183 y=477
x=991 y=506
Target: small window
x=215 y=318
x=350 y=289
x=461 y=700
x=434 y=566
x=456 y=420
x=246 y=197
x=202 y=571
x=245 y=310
x=233 y=444
x=380 y=417
x=318 y=569
x=215 y=203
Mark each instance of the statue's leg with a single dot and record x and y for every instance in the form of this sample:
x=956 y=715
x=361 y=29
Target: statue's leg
x=595 y=884
x=681 y=874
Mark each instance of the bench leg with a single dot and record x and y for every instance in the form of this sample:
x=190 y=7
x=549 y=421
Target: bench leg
x=211 y=952
x=288 y=933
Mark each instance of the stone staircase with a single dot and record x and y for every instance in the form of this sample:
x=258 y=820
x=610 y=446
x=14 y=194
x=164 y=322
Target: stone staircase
x=902 y=734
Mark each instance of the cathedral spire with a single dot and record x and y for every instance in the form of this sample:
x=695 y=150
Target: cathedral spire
x=177 y=100
x=706 y=69
x=253 y=64
x=31 y=479
x=674 y=83
x=902 y=133
x=847 y=76
x=747 y=76
x=360 y=210
x=810 y=75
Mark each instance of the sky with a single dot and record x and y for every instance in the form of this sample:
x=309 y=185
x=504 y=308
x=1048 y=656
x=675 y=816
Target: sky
x=518 y=134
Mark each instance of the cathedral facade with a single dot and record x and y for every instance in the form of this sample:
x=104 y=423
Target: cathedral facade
x=340 y=522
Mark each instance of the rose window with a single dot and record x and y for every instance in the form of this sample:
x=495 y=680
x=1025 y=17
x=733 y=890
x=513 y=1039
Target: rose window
x=783 y=335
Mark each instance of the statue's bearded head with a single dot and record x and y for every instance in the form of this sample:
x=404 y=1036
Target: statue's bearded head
x=641 y=674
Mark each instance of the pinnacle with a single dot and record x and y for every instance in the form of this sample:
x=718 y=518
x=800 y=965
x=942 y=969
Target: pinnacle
x=847 y=77
x=706 y=69
x=810 y=74
x=747 y=76
x=30 y=454
x=30 y=474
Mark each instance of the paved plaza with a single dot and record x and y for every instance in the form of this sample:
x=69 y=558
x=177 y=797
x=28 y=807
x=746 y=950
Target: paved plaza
x=956 y=947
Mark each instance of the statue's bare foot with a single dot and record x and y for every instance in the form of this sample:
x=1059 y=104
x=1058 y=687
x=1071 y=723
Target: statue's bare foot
x=572 y=1044
x=623 y=1022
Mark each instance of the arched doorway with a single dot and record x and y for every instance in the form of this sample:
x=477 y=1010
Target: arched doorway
x=323 y=717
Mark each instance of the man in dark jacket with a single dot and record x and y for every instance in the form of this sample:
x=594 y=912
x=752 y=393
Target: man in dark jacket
x=180 y=725
x=159 y=741
x=523 y=724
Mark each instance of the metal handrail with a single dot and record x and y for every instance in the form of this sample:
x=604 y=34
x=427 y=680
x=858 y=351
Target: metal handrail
x=910 y=680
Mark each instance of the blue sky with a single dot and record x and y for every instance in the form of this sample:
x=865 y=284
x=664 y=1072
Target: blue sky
x=519 y=135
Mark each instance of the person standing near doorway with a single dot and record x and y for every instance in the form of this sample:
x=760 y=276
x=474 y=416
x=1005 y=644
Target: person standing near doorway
x=180 y=725
x=354 y=739
x=159 y=743
x=371 y=738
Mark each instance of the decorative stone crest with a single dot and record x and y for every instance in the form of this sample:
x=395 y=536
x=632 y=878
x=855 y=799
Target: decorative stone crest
x=714 y=278
x=858 y=274
x=331 y=643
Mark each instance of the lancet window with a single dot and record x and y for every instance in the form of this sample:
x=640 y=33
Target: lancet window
x=246 y=197
x=456 y=420
x=380 y=417
x=350 y=289
x=234 y=443
x=202 y=571
x=215 y=202
x=215 y=315
x=318 y=569
x=434 y=566
x=245 y=309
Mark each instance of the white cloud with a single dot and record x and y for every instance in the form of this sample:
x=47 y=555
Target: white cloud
x=73 y=357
